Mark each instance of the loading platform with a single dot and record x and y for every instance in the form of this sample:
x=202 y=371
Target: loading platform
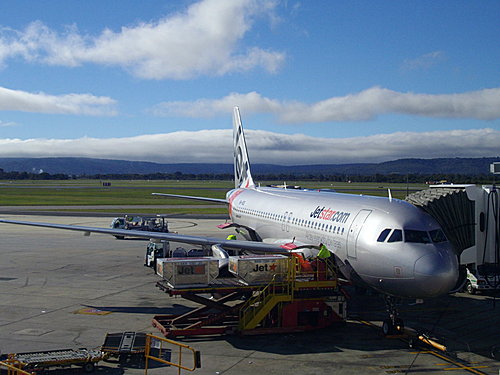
x=304 y=295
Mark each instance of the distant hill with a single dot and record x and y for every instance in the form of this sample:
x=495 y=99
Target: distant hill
x=88 y=166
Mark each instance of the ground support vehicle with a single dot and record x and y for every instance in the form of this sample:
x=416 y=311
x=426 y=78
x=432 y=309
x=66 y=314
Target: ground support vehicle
x=157 y=223
x=125 y=346
x=482 y=279
x=154 y=250
x=39 y=362
x=140 y=348
x=299 y=299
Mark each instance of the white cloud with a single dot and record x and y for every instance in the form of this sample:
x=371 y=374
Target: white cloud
x=252 y=102
x=425 y=61
x=363 y=106
x=6 y=124
x=75 y=104
x=215 y=146
x=205 y=39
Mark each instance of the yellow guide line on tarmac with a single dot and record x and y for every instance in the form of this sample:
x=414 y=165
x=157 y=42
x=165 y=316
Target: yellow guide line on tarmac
x=459 y=365
x=465 y=368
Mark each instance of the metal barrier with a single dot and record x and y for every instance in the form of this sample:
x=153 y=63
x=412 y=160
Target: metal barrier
x=13 y=367
x=152 y=341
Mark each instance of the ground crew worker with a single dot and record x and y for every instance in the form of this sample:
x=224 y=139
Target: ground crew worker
x=323 y=252
x=231 y=237
x=321 y=262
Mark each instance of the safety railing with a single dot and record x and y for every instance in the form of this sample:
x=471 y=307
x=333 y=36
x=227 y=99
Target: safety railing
x=272 y=293
x=313 y=270
x=158 y=349
x=280 y=288
x=13 y=367
x=299 y=273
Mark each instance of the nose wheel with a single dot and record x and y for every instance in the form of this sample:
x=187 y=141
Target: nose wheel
x=390 y=327
x=393 y=325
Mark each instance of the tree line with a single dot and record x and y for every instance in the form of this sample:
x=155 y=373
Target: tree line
x=32 y=176
x=382 y=178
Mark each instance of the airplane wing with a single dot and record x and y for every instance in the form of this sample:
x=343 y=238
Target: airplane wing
x=252 y=246
x=216 y=200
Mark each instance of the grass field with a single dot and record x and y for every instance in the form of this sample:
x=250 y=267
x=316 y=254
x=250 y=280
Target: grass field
x=136 y=192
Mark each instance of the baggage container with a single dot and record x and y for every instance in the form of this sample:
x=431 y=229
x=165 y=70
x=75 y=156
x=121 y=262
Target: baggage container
x=258 y=269
x=183 y=272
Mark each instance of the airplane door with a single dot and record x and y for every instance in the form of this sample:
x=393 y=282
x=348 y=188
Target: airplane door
x=283 y=221
x=352 y=236
x=288 y=221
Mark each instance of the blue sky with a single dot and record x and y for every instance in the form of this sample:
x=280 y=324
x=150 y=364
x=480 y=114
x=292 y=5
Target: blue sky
x=316 y=81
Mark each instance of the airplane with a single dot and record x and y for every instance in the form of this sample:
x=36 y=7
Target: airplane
x=381 y=243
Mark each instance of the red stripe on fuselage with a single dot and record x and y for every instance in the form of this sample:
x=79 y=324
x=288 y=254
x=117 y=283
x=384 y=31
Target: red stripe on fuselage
x=231 y=199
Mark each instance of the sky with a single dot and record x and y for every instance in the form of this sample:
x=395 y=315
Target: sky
x=317 y=82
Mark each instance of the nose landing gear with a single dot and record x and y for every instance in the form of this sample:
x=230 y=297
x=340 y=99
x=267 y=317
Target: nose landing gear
x=393 y=325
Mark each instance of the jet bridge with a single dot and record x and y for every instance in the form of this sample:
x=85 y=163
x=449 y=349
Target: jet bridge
x=453 y=210
x=470 y=218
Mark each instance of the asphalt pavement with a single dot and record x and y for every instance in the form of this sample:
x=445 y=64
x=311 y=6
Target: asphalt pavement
x=60 y=289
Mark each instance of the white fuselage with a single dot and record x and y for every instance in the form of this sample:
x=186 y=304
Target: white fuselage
x=407 y=262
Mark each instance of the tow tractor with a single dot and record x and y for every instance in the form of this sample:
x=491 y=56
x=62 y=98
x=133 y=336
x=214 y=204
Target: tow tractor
x=268 y=294
x=157 y=223
x=156 y=249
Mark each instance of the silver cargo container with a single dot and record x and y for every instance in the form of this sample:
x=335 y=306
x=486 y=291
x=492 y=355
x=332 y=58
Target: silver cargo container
x=258 y=269
x=183 y=272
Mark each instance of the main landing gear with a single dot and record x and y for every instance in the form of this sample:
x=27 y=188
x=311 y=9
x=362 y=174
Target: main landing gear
x=393 y=325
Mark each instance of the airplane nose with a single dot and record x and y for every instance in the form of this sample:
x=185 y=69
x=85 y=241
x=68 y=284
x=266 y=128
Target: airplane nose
x=436 y=273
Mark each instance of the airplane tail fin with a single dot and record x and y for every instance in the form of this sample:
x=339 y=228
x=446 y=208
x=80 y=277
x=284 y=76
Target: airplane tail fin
x=242 y=176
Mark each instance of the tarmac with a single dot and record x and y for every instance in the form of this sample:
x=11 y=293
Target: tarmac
x=60 y=289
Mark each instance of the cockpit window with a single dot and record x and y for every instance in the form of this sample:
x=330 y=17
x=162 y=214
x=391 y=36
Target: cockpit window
x=438 y=236
x=383 y=235
x=396 y=236
x=417 y=236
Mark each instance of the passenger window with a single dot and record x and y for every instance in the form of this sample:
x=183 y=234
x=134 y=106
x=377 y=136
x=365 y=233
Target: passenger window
x=383 y=235
x=396 y=236
x=416 y=236
x=438 y=236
